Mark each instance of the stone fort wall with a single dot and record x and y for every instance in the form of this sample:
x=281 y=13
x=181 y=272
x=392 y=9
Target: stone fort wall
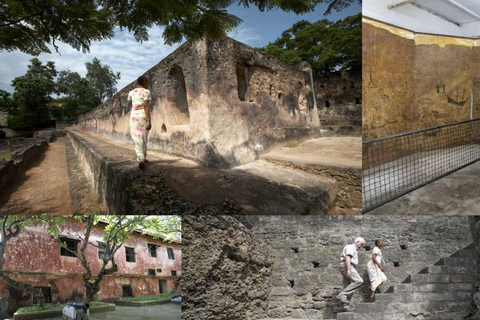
x=221 y=103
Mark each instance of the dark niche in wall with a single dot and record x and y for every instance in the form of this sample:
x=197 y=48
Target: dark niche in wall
x=178 y=92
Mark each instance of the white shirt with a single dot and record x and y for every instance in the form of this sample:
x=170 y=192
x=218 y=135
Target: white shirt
x=350 y=250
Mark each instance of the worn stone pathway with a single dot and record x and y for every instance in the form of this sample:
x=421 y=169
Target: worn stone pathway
x=44 y=189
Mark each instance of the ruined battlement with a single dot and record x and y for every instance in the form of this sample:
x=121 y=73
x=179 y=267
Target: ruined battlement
x=220 y=103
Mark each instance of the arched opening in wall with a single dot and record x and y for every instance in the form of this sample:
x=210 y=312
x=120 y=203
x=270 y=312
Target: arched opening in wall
x=291 y=102
x=177 y=97
x=327 y=104
x=242 y=82
x=164 y=128
x=358 y=101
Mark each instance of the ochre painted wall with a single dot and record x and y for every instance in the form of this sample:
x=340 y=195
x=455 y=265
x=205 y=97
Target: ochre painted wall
x=413 y=81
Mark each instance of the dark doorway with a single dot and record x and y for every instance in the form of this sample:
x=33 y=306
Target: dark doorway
x=162 y=285
x=47 y=295
x=127 y=291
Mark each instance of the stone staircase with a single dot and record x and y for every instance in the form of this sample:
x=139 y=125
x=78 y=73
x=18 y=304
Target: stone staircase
x=442 y=291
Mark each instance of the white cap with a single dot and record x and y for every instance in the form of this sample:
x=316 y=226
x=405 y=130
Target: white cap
x=359 y=239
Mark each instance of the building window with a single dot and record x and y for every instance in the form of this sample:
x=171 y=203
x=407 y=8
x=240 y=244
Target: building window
x=151 y=272
x=170 y=254
x=174 y=273
x=69 y=246
x=102 y=251
x=159 y=270
x=152 y=250
x=130 y=254
x=127 y=291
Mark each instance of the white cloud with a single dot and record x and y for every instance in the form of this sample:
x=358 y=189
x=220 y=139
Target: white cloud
x=245 y=35
x=122 y=53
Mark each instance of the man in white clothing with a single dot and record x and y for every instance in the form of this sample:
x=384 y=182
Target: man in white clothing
x=348 y=262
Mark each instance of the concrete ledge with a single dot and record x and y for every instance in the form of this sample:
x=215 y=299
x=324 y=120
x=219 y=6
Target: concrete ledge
x=172 y=185
x=120 y=302
x=58 y=313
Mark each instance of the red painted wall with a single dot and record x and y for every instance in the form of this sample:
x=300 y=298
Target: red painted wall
x=34 y=257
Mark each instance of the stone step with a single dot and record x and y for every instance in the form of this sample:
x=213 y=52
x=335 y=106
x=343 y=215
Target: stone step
x=172 y=185
x=443 y=269
x=440 y=278
x=379 y=316
x=346 y=316
x=457 y=261
x=339 y=158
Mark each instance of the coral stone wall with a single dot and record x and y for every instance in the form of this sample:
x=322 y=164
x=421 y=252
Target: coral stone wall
x=305 y=276
x=226 y=270
x=221 y=103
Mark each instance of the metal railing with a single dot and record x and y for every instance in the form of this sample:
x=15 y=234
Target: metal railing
x=396 y=165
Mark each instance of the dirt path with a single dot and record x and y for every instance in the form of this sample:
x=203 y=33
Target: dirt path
x=45 y=188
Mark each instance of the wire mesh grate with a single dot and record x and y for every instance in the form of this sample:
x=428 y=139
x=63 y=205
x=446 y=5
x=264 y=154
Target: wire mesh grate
x=401 y=163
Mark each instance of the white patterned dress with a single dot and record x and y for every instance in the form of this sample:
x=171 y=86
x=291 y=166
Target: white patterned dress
x=377 y=277
x=138 y=121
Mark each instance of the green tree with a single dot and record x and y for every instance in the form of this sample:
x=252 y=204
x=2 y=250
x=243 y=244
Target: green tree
x=32 y=95
x=327 y=46
x=32 y=25
x=102 y=80
x=79 y=96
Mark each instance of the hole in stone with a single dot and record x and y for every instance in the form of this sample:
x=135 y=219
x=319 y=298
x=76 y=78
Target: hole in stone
x=164 y=128
x=322 y=87
x=396 y=264
x=179 y=90
x=327 y=104
x=292 y=283
x=295 y=250
x=242 y=83
x=358 y=101
x=367 y=247
x=316 y=264
x=280 y=96
x=403 y=246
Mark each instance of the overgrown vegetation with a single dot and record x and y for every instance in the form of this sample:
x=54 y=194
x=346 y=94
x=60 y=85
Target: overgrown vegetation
x=160 y=296
x=50 y=307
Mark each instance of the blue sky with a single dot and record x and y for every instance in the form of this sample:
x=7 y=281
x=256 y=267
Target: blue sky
x=121 y=52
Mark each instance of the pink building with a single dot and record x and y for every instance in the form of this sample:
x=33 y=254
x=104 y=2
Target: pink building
x=145 y=265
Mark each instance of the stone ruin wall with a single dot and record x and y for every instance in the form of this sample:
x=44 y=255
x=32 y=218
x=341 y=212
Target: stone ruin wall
x=226 y=270
x=413 y=81
x=221 y=103
x=305 y=276
x=339 y=98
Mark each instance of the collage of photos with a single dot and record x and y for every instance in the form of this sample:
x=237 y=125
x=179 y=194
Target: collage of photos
x=240 y=160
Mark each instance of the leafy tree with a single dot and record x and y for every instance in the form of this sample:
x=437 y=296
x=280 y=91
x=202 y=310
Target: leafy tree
x=6 y=102
x=102 y=80
x=327 y=46
x=338 y=5
x=32 y=96
x=79 y=96
x=31 y=25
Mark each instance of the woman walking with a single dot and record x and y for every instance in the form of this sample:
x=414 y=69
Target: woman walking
x=140 y=118
x=375 y=269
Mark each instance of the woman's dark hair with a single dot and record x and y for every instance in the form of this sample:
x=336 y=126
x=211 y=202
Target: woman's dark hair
x=142 y=80
x=377 y=242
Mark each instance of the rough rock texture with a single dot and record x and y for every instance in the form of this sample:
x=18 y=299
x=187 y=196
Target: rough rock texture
x=305 y=277
x=221 y=103
x=339 y=97
x=169 y=185
x=226 y=270
x=413 y=81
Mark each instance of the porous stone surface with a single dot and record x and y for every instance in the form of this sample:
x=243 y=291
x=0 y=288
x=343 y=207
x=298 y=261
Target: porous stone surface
x=221 y=103
x=226 y=270
x=305 y=277
x=171 y=185
x=339 y=97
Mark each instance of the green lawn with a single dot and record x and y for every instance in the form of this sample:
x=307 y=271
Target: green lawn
x=161 y=296
x=48 y=307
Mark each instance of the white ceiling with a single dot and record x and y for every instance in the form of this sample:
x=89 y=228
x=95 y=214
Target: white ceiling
x=451 y=17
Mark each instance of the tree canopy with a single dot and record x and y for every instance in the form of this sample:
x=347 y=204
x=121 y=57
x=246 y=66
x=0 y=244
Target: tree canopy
x=32 y=25
x=328 y=46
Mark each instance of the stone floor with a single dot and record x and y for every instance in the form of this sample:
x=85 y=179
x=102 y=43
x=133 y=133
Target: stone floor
x=44 y=189
x=165 y=312
x=455 y=194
